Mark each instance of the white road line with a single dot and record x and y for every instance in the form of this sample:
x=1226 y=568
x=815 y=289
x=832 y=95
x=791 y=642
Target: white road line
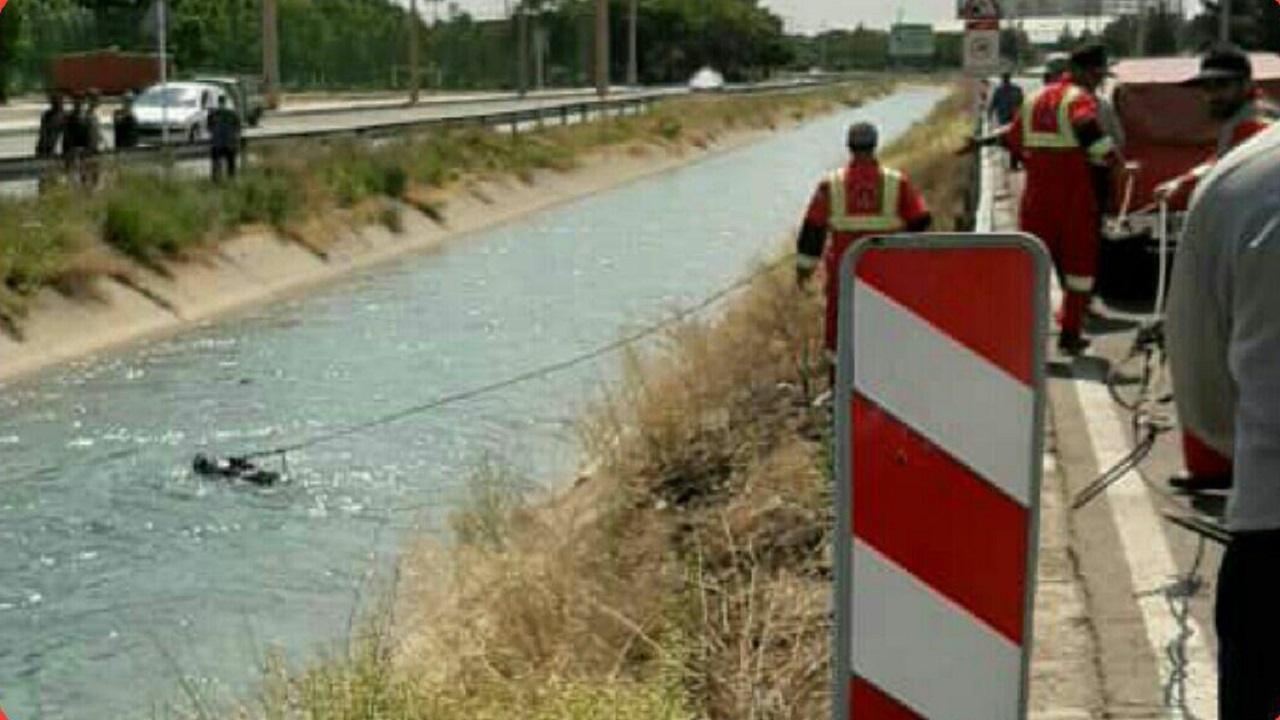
x=1151 y=566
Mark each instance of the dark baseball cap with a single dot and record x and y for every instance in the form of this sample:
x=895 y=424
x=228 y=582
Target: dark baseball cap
x=1225 y=62
x=1091 y=56
x=863 y=136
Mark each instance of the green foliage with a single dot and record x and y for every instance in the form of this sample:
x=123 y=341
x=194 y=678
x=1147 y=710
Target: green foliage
x=36 y=242
x=136 y=224
x=269 y=195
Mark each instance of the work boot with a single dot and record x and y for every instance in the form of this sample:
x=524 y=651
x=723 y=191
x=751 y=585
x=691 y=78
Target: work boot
x=1188 y=483
x=1071 y=342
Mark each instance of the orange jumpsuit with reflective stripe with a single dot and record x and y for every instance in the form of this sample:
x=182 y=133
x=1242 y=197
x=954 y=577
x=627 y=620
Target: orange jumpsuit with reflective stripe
x=861 y=200
x=1061 y=137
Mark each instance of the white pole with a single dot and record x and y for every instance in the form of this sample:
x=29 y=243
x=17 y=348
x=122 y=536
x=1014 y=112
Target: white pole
x=162 y=17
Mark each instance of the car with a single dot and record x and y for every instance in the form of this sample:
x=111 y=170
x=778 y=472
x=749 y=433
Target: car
x=706 y=80
x=182 y=107
x=1167 y=132
x=245 y=93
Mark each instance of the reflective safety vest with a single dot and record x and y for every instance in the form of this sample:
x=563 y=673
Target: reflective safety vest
x=1063 y=136
x=885 y=220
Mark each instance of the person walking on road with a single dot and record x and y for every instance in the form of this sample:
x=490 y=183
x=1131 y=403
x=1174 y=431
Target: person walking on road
x=124 y=124
x=225 y=138
x=1224 y=340
x=858 y=201
x=1005 y=104
x=1069 y=157
x=1235 y=101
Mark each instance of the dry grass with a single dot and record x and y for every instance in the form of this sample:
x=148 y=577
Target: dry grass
x=687 y=575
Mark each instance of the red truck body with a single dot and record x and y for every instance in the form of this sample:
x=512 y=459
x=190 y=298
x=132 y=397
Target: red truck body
x=1168 y=132
x=109 y=72
x=1167 y=126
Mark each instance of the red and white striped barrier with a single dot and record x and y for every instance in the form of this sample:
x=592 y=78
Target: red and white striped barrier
x=940 y=433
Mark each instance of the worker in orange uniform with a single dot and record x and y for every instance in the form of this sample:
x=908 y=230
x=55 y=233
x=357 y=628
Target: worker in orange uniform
x=1226 y=79
x=1069 y=159
x=1235 y=101
x=860 y=200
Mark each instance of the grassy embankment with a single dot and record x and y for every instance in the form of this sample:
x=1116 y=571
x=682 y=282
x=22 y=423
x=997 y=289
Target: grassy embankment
x=304 y=191
x=688 y=577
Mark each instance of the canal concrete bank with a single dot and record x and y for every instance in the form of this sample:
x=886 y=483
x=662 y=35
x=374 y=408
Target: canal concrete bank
x=261 y=265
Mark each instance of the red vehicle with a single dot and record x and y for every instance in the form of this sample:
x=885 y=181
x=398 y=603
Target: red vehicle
x=1167 y=132
x=109 y=72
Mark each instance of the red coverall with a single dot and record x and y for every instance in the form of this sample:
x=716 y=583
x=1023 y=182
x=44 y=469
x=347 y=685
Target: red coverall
x=876 y=201
x=1202 y=460
x=1066 y=149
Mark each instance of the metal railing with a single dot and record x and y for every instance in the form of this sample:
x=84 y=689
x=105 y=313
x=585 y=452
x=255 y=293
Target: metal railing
x=33 y=168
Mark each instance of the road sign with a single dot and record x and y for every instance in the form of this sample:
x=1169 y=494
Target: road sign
x=911 y=41
x=940 y=423
x=979 y=10
x=2 y=4
x=982 y=52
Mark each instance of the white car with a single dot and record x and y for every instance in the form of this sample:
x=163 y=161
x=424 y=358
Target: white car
x=706 y=80
x=181 y=106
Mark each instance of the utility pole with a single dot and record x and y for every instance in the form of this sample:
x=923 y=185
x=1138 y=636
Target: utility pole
x=602 y=48
x=633 y=53
x=270 y=53
x=1224 y=21
x=522 y=46
x=415 y=79
x=162 y=13
x=1143 y=19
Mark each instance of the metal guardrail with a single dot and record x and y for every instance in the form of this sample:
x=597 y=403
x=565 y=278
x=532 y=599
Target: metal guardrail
x=32 y=168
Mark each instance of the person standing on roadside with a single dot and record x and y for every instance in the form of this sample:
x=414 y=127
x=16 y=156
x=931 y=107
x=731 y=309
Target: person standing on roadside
x=858 y=201
x=1235 y=102
x=75 y=139
x=89 y=167
x=1061 y=136
x=53 y=122
x=225 y=138
x=1224 y=343
x=1005 y=104
x=124 y=124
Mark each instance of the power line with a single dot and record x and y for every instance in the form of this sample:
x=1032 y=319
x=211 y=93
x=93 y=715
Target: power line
x=534 y=374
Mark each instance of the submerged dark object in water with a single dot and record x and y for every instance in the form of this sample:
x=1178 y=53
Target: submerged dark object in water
x=234 y=468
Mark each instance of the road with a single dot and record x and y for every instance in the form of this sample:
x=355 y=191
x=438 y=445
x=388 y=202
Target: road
x=17 y=140
x=1149 y=585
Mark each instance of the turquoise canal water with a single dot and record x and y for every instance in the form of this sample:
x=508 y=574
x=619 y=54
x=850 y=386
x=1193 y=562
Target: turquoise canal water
x=121 y=574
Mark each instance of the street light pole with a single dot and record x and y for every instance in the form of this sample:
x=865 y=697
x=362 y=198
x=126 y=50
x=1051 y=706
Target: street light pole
x=415 y=82
x=1224 y=20
x=633 y=54
x=522 y=46
x=602 y=47
x=270 y=53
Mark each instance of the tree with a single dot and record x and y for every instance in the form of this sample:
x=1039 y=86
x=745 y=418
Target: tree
x=10 y=36
x=1255 y=25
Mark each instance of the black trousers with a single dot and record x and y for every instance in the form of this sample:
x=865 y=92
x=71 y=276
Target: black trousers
x=226 y=157
x=1247 y=616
